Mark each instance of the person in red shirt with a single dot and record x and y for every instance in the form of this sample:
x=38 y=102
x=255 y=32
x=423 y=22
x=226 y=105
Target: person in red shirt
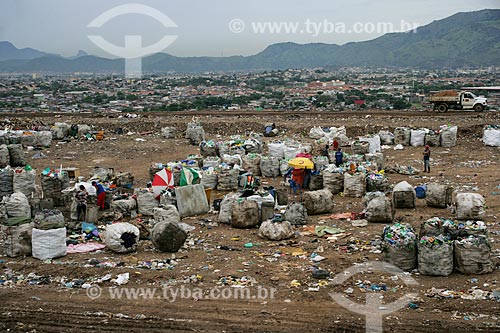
x=298 y=177
x=335 y=145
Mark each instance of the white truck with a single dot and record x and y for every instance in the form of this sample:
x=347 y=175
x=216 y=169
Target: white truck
x=458 y=100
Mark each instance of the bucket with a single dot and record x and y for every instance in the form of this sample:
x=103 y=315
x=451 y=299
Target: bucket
x=420 y=191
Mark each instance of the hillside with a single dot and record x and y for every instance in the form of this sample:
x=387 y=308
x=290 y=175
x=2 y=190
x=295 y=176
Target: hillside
x=463 y=40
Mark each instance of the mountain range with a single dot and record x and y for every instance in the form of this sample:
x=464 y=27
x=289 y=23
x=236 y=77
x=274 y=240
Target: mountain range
x=469 y=39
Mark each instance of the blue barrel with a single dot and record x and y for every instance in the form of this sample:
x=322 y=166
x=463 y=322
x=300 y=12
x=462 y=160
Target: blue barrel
x=420 y=191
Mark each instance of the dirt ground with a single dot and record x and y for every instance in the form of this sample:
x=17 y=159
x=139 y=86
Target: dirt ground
x=214 y=252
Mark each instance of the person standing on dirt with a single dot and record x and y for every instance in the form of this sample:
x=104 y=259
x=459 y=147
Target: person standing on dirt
x=81 y=203
x=101 y=194
x=339 y=157
x=427 y=158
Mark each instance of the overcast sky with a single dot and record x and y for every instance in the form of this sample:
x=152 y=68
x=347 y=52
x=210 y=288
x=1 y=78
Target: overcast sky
x=203 y=26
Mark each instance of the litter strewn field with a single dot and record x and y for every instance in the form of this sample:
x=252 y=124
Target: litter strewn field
x=299 y=266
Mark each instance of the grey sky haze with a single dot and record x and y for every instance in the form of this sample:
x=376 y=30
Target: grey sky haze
x=60 y=26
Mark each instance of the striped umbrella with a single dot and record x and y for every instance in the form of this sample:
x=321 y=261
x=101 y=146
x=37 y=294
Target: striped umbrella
x=163 y=179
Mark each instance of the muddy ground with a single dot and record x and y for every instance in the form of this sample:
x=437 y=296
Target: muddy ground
x=300 y=302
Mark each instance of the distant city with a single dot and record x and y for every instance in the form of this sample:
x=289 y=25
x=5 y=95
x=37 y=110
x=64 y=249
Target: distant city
x=287 y=90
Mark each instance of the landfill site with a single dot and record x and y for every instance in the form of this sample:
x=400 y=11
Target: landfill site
x=250 y=221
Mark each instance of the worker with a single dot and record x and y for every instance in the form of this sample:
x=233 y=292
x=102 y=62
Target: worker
x=101 y=194
x=339 y=156
x=326 y=151
x=427 y=158
x=335 y=144
x=81 y=203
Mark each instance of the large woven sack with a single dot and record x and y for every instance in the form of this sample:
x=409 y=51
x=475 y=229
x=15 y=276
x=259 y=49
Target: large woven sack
x=18 y=205
x=226 y=207
x=48 y=244
x=473 y=255
x=211 y=161
x=360 y=148
x=146 y=202
x=403 y=195
x=354 y=185
x=296 y=213
x=436 y=226
x=276 y=230
x=276 y=149
x=16 y=239
x=332 y=181
x=48 y=219
x=404 y=257
x=320 y=162
x=83 y=129
x=316 y=182
x=16 y=155
x=373 y=142
x=470 y=206
x=167 y=213
x=491 y=137
x=377 y=183
x=380 y=209
x=24 y=182
x=438 y=196
x=195 y=133
x=43 y=138
x=269 y=166
x=318 y=202
x=53 y=185
x=417 y=138
x=124 y=206
x=209 y=179
x=292 y=149
x=253 y=146
x=449 y=137
x=208 y=149
x=402 y=136
x=432 y=139
x=4 y=156
x=251 y=163
x=121 y=237
x=435 y=259
x=228 y=180
x=386 y=137
x=284 y=166
x=168 y=236
x=6 y=182
x=245 y=214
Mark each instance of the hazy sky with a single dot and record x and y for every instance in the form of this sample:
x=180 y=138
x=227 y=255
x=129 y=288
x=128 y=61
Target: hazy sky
x=60 y=26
